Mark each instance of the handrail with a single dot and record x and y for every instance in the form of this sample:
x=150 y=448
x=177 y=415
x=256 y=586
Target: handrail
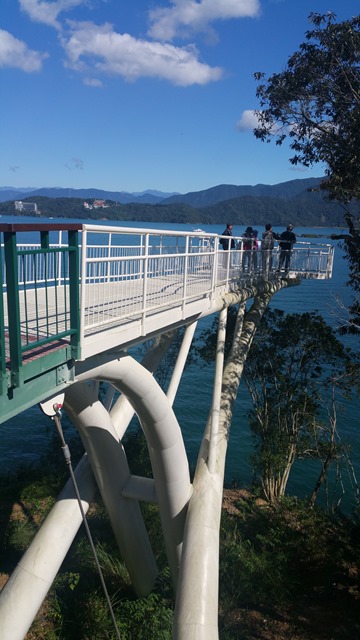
x=104 y=274
x=24 y=336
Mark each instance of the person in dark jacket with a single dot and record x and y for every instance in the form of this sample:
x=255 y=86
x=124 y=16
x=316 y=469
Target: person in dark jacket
x=228 y=242
x=286 y=243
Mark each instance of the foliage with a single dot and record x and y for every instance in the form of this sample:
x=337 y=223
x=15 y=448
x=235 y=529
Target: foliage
x=273 y=556
x=351 y=324
x=315 y=102
x=287 y=556
x=139 y=616
x=295 y=363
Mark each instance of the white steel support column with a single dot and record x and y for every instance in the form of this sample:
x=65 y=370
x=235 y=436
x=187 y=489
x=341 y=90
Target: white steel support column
x=29 y=583
x=109 y=464
x=122 y=411
x=215 y=407
x=165 y=442
x=180 y=362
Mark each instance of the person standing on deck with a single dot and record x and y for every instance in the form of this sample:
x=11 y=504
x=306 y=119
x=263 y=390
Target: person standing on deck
x=247 y=246
x=227 y=243
x=267 y=246
x=287 y=241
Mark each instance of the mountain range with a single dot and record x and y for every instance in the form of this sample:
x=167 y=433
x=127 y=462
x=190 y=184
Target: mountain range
x=297 y=201
x=151 y=196
x=203 y=198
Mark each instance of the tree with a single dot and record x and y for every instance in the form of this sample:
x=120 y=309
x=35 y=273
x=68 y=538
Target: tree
x=315 y=103
x=296 y=362
x=297 y=372
x=351 y=324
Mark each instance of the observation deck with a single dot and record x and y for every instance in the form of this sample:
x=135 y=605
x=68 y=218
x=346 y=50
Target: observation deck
x=74 y=299
x=72 y=291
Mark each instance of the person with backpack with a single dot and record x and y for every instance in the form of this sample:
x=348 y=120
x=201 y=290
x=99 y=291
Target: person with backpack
x=286 y=243
x=267 y=246
x=227 y=243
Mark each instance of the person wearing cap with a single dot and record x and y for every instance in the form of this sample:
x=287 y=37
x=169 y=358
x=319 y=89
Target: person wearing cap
x=286 y=243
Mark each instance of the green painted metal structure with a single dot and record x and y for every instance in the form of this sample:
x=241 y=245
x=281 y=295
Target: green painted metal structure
x=39 y=354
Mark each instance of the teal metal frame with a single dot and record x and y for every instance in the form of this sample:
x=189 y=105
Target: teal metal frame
x=32 y=362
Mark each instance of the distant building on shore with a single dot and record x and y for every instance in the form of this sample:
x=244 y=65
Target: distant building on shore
x=29 y=207
x=97 y=204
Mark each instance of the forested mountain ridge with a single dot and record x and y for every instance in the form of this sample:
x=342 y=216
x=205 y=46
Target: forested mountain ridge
x=222 y=192
x=296 y=201
x=202 y=198
x=149 y=197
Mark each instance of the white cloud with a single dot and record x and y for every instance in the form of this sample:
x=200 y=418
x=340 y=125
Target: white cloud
x=106 y=51
x=47 y=12
x=16 y=54
x=188 y=16
x=92 y=82
x=248 y=121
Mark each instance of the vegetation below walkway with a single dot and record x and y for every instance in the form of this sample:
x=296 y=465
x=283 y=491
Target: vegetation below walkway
x=286 y=571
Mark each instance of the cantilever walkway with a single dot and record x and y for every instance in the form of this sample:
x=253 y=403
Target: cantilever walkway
x=92 y=299
x=137 y=282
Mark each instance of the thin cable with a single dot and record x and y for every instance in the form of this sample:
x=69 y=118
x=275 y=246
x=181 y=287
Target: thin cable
x=67 y=456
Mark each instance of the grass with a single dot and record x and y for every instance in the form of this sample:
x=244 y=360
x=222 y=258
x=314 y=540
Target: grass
x=285 y=572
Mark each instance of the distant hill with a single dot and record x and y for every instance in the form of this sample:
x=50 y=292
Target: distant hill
x=285 y=190
x=204 y=198
x=297 y=202
x=148 y=197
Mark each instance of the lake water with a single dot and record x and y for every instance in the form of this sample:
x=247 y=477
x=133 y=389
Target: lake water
x=25 y=438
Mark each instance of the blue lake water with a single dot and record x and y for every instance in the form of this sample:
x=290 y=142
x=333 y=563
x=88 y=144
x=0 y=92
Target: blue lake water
x=25 y=438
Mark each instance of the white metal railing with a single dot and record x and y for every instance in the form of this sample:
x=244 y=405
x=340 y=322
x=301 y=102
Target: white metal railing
x=157 y=270
x=144 y=270
x=122 y=262
x=128 y=273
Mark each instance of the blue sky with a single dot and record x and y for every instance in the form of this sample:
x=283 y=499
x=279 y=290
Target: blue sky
x=129 y=95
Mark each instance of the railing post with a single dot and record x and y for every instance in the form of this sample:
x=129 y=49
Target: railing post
x=3 y=376
x=214 y=257
x=185 y=280
x=74 y=295
x=108 y=274
x=145 y=263
x=13 y=306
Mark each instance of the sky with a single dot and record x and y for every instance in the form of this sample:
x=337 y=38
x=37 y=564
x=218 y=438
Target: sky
x=130 y=95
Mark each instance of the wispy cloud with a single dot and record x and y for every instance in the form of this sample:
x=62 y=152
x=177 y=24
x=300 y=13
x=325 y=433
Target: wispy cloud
x=75 y=163
x=48 y=12
x=16 y=54
x=247 y=122
x=185 y=17
x=103 y=50
x=14 y=168
x=93 y=82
